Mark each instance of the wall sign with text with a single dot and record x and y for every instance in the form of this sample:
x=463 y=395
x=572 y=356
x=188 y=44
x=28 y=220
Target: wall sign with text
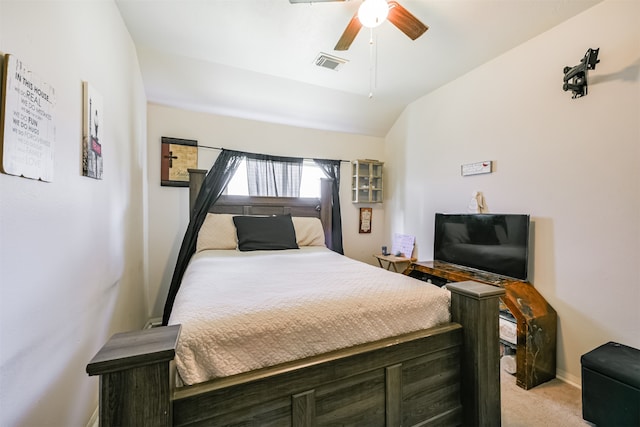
x=27 y=122
x=476 y=168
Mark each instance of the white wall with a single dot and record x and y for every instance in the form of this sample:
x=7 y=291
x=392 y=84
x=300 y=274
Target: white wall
x=72 y=263
x=570 y=163
x=168 y=206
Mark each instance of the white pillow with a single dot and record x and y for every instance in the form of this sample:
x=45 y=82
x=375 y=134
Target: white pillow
x=217 y=232
x=309 y=231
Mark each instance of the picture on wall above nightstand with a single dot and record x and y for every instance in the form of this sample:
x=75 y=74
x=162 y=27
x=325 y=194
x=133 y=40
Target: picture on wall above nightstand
x=366 y=215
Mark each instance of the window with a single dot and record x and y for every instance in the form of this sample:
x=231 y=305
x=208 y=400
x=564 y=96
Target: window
x=309 y=186
x=238 y=185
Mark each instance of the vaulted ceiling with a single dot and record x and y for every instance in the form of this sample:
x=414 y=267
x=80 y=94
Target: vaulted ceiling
x=257 y=58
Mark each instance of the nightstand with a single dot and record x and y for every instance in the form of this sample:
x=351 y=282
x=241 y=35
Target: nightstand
x=392 y=261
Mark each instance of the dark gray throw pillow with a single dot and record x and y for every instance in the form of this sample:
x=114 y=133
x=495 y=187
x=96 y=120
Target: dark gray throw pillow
x=256 y=233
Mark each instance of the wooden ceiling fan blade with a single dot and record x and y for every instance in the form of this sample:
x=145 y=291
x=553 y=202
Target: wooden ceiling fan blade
x=405 y=21
x=349 y=34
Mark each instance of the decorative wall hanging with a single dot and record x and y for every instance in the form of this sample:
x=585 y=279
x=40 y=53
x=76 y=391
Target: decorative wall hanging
x=27 y=122
x=93 y=131
x=178 y=156
x=576 y=78
x=365 y=220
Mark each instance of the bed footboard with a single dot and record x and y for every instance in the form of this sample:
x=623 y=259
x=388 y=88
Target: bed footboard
x=405 y=380
x=448 y=375
x=135 y=380
x=475 y=306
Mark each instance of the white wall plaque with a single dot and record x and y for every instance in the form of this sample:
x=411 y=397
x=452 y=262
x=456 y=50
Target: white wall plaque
x=476 y=168
x=28 y=130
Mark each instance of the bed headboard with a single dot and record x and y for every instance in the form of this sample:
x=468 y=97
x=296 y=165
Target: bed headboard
x=258 y=205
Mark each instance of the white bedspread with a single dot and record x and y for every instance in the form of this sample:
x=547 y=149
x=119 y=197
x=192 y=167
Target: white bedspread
x=241 y=311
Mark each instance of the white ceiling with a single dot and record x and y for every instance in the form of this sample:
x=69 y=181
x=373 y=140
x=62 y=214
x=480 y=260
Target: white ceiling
x=255 y=58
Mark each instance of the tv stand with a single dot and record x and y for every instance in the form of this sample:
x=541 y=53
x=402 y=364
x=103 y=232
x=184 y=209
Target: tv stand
x=536 y=320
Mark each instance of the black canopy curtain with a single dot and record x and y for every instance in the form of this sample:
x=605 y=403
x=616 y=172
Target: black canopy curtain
x=214 y=184
x=331 y=169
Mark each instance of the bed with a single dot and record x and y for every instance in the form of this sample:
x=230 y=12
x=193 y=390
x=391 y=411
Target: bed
x=445 y=372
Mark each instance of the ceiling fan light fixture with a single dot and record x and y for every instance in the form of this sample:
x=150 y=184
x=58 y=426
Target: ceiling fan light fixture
x=373 y=12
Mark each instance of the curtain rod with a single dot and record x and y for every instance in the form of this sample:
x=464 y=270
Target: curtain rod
x=220 y=149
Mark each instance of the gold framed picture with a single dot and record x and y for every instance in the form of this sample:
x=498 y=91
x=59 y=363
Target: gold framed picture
x=178 y=156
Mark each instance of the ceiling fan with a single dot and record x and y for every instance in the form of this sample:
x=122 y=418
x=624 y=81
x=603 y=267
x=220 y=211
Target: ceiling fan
x=373 y=13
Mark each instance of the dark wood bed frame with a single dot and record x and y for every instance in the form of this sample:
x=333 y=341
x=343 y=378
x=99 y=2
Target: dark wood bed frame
x=446 y=375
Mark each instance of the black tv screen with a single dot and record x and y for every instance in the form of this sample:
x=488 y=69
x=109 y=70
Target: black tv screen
x=496 y=243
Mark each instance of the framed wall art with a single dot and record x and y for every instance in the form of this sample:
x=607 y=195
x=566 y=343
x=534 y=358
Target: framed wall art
x=93 y=130
x=365 y=220
x=178 y=156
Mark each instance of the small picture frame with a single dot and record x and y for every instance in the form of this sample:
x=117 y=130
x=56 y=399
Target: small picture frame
x=366 y=215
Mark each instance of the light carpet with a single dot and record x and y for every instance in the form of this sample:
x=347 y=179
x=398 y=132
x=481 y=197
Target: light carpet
x=554 y=403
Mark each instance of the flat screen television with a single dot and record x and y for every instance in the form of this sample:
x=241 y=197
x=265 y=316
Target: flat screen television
x=496 y=243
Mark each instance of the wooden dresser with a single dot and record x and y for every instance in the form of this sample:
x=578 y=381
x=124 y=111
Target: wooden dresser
x=536 y=320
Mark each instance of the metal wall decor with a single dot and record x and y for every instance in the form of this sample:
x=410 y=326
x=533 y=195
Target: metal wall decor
x=576 y=78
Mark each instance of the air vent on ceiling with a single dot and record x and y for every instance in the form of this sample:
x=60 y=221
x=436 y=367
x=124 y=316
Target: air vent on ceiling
x=329 y=61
